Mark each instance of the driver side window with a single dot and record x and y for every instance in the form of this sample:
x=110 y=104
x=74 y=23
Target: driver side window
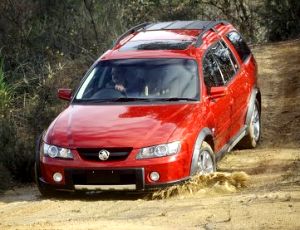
x=211 y=71
x=219 y=66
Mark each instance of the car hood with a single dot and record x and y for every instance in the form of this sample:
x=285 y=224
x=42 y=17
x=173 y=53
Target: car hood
x=94 y=126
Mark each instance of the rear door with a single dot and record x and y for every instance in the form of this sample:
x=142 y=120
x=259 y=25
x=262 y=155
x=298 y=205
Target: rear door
x=241 y=83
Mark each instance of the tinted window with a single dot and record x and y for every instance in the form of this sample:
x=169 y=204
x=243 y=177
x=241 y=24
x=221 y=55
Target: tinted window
x=239 y=44
x=141 y=78
x=222 y=55
x=232 y=58
x=211 y=71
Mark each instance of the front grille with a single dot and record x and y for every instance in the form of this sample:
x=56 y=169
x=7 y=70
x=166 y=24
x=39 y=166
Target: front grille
x=116 y=154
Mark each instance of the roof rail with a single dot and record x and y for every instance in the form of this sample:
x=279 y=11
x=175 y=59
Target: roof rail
x=210 y=26
x=131 y=31
x=184 y=25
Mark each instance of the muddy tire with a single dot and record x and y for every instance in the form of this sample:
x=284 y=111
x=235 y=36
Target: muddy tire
x=48 y=192
x=42 y=189
x=206 y=161
x=253 y=135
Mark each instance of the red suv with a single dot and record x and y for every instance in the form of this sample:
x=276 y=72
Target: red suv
x=165 y=103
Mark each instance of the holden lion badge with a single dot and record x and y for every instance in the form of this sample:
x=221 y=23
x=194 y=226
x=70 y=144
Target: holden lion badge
x=103 y=155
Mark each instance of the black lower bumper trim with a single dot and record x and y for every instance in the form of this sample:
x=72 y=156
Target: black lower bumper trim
x=108 y=177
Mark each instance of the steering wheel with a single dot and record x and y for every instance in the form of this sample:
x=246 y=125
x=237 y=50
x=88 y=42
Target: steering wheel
x=108 y=93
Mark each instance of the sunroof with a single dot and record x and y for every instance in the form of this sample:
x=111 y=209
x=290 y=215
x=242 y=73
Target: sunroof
x=179 y=25
x=156 y=45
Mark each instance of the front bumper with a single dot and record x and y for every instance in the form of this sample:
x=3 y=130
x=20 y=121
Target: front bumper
x=131 y=174
x=118 y=180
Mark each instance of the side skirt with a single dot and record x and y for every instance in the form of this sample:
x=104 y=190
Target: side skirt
x=230 y=145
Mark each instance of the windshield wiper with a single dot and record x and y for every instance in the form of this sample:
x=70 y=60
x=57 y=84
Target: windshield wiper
x=128 y=99
x=177 y=99
x=108 y=100
x=125 y=99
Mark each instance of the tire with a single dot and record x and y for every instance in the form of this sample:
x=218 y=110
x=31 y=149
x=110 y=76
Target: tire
x=253 y=135
x=47 y=191
x=206 y=163
x=42 y=189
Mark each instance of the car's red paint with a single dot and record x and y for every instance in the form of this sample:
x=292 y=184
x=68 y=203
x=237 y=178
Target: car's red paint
x=65 y=94
x=137 y=126
x=222 y=109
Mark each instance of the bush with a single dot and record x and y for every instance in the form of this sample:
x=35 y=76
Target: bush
x=282 y=18
x=5 y=178
x=17 y=152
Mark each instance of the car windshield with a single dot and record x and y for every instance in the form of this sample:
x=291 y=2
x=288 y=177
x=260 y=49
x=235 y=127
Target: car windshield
x=141 y=79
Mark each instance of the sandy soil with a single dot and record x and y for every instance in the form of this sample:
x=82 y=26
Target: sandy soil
x=270 y=201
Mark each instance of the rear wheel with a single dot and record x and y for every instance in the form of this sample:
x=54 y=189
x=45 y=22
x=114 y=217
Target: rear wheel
x=206 y=161
x=254 y=130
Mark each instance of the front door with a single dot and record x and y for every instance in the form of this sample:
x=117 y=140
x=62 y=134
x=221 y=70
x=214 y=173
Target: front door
x=220 y=107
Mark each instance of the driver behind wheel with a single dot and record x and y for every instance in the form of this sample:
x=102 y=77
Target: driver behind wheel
x=117 y=81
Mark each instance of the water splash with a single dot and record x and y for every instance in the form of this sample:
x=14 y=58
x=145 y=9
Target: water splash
x=215 y=182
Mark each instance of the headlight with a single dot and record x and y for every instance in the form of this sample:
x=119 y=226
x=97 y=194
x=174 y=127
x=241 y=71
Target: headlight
x=159 y=150
x=56 y=152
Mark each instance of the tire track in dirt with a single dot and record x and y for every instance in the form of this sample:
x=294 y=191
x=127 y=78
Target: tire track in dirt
x=279 y=80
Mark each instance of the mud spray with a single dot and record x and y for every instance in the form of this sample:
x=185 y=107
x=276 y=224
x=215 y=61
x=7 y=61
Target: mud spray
x=216 y=182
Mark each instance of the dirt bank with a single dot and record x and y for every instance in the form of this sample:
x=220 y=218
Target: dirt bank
x=271 y=200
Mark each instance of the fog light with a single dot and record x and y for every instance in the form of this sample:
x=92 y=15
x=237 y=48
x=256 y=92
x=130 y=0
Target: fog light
x=154 y=176
x=57 y=177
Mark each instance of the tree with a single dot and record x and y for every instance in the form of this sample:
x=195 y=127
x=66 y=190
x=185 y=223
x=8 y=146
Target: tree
x=282 y=19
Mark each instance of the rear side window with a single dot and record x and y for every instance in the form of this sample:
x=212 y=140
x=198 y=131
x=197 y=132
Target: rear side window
x=239 y=44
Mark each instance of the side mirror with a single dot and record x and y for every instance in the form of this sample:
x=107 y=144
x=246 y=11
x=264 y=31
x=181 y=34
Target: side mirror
x=64 y=94
x=216 y=92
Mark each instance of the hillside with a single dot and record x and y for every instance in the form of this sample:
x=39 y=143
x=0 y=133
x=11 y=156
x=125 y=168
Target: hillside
x=271 y=200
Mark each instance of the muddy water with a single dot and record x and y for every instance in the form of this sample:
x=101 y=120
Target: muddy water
x=214 y=183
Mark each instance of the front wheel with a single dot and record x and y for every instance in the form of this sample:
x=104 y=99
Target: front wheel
x=46 y=192
x=206 y=161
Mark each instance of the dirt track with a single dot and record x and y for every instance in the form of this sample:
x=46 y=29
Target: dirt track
x=271 y=201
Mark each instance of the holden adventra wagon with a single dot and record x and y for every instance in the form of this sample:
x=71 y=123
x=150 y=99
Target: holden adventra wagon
x=164 y=104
